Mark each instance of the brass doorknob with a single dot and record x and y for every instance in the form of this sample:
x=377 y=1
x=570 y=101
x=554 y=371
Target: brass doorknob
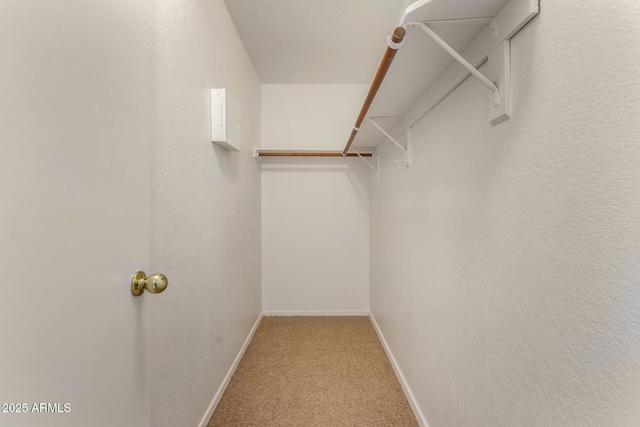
x=154 y=284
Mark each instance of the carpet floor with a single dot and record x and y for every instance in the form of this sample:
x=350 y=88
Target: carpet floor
x=314 y=371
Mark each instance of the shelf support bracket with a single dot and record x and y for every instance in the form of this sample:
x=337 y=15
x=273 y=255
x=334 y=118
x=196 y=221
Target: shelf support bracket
x=499 y=70
x=473 y=70
x=406 y=149
x=375 y=168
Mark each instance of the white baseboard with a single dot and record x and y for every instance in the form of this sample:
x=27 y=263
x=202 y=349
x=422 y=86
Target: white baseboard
x=227 y=378
x=403 y=382
x=318 y=313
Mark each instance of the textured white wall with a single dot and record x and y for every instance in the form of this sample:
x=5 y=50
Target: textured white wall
x=505 y=262
x=315 y=213
x=315 y=222
x=205 y=209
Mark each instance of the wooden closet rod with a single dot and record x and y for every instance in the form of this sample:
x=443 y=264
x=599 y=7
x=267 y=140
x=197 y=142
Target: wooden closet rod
x=389 y=53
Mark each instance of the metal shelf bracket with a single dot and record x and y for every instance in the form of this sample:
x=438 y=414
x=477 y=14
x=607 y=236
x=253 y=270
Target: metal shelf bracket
x=407 y=147
x=499 y=80
x=375 y=168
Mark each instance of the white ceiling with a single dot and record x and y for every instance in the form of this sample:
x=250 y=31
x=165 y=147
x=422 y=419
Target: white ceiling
x=315 y=41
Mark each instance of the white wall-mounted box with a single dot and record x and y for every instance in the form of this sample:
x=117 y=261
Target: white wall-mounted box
x=225 y=120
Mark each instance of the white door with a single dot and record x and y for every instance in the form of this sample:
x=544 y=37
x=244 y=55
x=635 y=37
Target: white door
x=74 y=213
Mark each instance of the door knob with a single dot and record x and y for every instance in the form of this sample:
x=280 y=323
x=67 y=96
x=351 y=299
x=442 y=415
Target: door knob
x=155 y=283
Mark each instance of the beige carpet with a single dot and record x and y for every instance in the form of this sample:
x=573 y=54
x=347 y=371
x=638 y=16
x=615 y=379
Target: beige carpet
x=314 y=371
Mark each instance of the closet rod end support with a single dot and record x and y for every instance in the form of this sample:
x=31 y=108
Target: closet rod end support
x=395 y=40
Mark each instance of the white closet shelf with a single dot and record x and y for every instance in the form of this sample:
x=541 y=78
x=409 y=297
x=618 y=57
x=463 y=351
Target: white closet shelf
x=445 y=42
